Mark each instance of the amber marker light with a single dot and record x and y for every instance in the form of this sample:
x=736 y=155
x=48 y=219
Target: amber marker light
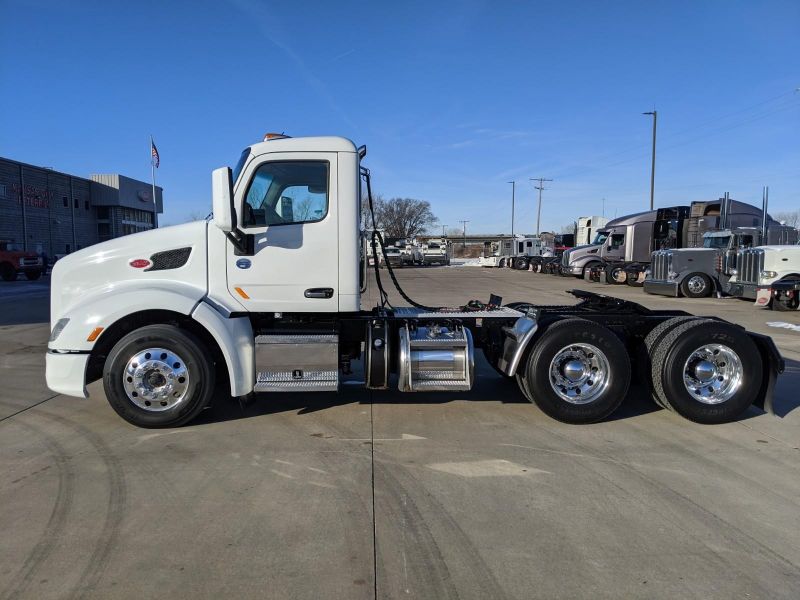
x=95 y=334
x=242 y=293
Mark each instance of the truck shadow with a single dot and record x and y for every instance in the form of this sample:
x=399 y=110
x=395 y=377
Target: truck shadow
x=489 y=387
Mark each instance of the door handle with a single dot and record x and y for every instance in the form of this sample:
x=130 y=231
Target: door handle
x=319 y=293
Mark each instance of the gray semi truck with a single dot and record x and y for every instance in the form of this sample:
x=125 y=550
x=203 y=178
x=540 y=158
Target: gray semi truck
x=700 y=272
x=632 y=240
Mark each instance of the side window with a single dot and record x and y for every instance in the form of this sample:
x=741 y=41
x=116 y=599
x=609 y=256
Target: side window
x=284 y=193
x=616 y=240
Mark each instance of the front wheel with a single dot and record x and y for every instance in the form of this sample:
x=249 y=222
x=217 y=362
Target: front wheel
x=577 y=372
x=696 y=285
x=159 y=376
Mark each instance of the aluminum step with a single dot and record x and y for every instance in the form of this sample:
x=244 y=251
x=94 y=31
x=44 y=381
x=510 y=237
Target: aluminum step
x=297 y=362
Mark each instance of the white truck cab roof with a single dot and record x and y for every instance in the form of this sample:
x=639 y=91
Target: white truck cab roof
x=304 y=144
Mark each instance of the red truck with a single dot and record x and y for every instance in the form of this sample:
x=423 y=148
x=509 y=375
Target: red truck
x=15 y=260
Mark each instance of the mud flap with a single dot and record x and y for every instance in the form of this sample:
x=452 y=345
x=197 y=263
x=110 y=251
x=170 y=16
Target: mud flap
x=773 y=365
x=763 y=296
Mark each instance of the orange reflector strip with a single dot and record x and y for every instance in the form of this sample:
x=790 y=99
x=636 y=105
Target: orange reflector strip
x=95 y=334
x=242 y=293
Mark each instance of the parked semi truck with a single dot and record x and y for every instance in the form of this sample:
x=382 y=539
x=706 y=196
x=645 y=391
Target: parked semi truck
x=267 y=297
x=631 y=241
x=14 y=260
x=580 y=259
x=699 y=272
x=515 y=252
x=769 y=275
x=436 y=251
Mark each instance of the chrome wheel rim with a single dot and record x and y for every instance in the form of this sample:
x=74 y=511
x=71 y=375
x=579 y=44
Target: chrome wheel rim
x=713 y=374
x=156 y=379
x=579 y=373
x=696 y=284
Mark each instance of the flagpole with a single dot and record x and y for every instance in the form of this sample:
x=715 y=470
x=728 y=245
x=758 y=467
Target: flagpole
x=153 y=176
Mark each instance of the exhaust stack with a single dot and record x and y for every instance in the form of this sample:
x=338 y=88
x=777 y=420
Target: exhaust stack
x=764 y=205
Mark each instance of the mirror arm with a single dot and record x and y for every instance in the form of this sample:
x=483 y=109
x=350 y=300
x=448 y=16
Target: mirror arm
x=243 y=243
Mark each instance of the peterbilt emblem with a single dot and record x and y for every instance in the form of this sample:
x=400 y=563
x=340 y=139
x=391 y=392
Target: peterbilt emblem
x=243 y=263
x=139 y=263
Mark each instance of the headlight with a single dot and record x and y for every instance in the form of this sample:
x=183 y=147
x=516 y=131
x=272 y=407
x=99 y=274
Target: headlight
x=768 y=274
x=59 y=327
x=732 y=271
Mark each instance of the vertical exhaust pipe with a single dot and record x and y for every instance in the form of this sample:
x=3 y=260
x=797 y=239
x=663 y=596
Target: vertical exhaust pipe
x=764 y=205
x=722 y=207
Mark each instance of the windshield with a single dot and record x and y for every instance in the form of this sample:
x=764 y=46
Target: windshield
x=240 y=165
x=10 y=247
x=601 y=237
x=716 y=241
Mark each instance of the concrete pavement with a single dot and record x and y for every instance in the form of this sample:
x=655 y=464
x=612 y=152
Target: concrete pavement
x=475 y=495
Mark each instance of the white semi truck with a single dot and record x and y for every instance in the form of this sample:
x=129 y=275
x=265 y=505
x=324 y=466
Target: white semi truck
x=516 y=252
x=266 y=296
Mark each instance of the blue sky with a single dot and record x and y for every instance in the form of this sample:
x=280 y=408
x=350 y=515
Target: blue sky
x=452 y=99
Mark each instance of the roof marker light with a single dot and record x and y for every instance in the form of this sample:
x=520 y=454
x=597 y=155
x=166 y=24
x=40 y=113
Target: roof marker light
x=274 y=136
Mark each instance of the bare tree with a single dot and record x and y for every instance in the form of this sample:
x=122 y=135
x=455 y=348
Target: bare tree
x=790 y=218
x=571 y=228
x=404 y=217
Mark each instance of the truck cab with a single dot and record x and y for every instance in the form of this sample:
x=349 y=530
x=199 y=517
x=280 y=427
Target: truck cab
x=699 y=272
x=436 y=251
x=769 y=275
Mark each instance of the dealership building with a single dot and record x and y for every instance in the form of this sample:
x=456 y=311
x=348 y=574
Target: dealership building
x=47 y=211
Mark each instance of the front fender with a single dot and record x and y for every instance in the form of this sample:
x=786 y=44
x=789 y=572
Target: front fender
x=236 y=342
x=118 y=301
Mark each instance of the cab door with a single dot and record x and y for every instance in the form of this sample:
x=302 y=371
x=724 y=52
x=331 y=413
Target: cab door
x=288 y=202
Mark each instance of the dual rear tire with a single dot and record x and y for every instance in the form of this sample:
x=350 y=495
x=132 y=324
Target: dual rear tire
x=578 y=371
x=707 y=371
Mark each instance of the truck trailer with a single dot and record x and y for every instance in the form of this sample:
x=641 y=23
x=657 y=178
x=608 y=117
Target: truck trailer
x=266 y=296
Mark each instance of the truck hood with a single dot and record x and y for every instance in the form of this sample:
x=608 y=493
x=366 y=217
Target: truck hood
x=110 y=265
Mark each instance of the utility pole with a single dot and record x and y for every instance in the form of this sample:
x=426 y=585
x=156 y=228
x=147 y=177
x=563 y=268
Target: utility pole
x=464 y=223
x=604 y=207
x=513 y=189
x=653 y=163
x=444 y=235
x=539 y=187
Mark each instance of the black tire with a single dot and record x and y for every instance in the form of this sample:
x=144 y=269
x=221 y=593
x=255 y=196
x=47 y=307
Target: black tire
x=784 y=304
x=32 y=275
x=671 y=353
x=502 y=263
x=634 y=281
x=652 y=340
x=696 y=285
x=614 y=275
x=7 y=272
x=522 y=264
x=535 y=379
x=198 y=366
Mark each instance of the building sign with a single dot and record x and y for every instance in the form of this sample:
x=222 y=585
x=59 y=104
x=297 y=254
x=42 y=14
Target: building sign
x=145 y=195
x=35 y=197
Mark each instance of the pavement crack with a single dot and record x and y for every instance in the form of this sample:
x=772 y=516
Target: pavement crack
x=19 y=412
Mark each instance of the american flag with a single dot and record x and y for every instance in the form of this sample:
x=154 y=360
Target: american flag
x=154 y=153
